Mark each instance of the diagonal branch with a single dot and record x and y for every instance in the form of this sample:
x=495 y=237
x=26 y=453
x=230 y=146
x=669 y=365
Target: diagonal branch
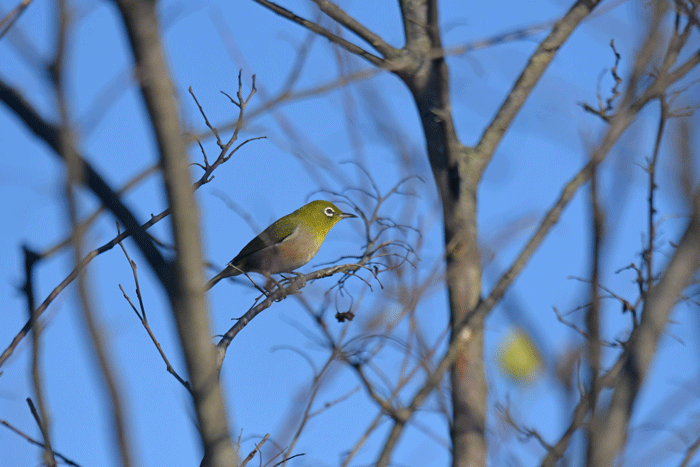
x=286 y=97
x=10 y=18
x=206 y=176
x=31 y=440
x=70 y=278
x=466 y=331
x=311 y=26
x=76 y=169
x=42 y=416
x=295 y=285
x=185 y=285
x=336 y=13
x=533 y=71
x=91 y=178
x=642 y=345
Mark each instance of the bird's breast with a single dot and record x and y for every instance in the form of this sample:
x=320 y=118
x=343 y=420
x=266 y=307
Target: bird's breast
x=299 y=248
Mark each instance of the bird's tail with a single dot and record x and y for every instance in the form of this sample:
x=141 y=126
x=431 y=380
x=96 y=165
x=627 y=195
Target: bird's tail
x=227 y=272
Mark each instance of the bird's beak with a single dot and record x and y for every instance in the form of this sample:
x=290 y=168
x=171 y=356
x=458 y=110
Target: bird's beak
x=345 y=215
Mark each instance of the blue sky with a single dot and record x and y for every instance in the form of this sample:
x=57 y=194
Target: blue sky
x=306 y=143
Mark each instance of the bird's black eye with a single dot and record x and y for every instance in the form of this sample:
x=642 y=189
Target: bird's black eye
x=329 y=212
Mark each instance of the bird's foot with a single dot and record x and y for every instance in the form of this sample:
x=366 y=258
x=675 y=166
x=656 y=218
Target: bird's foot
x=270 y=285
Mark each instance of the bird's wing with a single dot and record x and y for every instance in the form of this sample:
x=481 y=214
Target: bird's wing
x=265 y=240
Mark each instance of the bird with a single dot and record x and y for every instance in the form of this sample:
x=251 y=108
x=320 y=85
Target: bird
x=287 y=244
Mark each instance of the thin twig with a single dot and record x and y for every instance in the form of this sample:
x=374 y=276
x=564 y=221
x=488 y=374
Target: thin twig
x=648 y=255
x=144 y=320
x=13 y=15
x=347 y=21
x=30 y=258
x=48 y=456
x=23 y=109
x=254 y=451
x=349 y=46
x=38 y=443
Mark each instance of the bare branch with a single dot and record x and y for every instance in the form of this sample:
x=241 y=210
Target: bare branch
x=254 y=451
x=144 y=321
x=184 y=276
x=9 y=20
x=38 y=443
x=533 y=71
x=205 y=178
x=642 y=346
x=91 y=178
x=42 y=420
x=336 y=13
x=48 y=456
x=349 y=46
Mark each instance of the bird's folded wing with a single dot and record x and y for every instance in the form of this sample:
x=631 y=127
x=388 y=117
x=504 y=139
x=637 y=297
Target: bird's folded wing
x=271 y=236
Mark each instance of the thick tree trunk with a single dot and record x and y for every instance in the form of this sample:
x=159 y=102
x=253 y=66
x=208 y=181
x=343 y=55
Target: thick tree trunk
x=428 y=80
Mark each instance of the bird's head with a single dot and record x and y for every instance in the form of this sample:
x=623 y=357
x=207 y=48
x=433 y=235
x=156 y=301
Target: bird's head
x=320 y=216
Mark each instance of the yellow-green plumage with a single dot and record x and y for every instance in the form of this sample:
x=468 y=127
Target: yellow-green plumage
x=287 y=244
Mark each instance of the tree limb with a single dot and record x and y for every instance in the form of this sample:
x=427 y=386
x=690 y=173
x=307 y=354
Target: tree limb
x=311 y=26
x=185 y=277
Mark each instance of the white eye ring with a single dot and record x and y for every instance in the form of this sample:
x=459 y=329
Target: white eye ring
x=329 y=212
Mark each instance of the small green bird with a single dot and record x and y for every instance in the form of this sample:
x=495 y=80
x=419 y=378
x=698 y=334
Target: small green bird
x=287 y=244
